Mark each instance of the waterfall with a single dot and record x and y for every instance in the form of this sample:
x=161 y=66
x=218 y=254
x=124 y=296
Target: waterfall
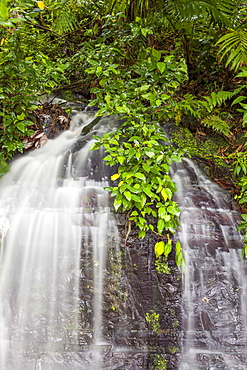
x=214 y=327
x=56 y=210
x=73 y=297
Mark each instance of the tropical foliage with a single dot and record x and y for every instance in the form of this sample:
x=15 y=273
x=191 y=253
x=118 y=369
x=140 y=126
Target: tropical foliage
x=150 y=63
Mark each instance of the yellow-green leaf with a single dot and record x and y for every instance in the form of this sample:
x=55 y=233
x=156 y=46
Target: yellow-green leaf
x=115 y=177
x=164 y=195
x=41 y=5
x=159 y=248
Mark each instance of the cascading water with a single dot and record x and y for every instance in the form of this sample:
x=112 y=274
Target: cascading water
x=214 y=327
x=56 y=233
x=53 y=206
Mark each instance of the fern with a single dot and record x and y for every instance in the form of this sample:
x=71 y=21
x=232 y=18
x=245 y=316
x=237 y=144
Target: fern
x=63 y=16
x=190 y=9
x=217 y=124
x=234 y=44
x=190 y=105
x=216 y=99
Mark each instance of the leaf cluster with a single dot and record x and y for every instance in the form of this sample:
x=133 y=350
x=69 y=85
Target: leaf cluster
x=144 y=187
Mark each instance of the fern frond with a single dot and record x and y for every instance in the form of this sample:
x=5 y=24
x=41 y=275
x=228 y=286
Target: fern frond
x=234 y=44
x=185 y=10
x=190 y=105
x=216 y=99
x=217 y=124
x=63 y=16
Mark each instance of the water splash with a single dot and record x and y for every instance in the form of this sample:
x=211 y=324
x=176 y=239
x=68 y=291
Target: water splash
x=54 y=209
x=214 y=287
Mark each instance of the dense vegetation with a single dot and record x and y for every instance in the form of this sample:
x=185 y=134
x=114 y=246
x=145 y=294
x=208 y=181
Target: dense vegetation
x=180 y=61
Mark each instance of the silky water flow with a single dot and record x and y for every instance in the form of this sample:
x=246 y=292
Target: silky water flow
x=51 y=205
x=57 y=231
x=214 y=306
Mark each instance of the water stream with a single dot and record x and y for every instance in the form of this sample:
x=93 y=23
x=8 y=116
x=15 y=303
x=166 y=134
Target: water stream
x=214 y=330
x=74 y=296
x=52 y=205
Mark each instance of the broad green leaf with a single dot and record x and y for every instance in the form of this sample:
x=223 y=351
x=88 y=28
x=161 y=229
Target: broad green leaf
x=134 y=197
x=179 y=254
x=4 y=9
x=161 y=66
x=149 y=153
x=140 y=176
x=148 y=192
x=159 y=158
x=21 y=116
x=166 y=218
x=169 y=193
x=141 y=234
x=117 y=204
x=108 y=100
x=121 y=159
x=244 y=216
x=243 y=200
x=162 y=212
x=144 y=31
x=160 y=226
x=128 y=195
x=168 y=248
x=144 y=87
x=165 y=96
x=134 y=213
x=156 y=54
x=21 y=126
x=173 y=210
x=146 y=167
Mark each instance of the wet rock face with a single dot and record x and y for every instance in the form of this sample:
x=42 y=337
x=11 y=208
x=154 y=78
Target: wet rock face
x=136 y=290
x=132 y=290
x=214 y=287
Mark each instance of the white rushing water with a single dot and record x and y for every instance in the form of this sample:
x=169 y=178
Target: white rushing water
x=214 y=301
x=48 y=213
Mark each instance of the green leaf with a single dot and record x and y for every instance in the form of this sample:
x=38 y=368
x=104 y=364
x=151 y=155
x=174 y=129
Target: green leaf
x=117 y=204
x=21 y=126
x=168 y=248
x=4 y=9
x=134 y=213
x=140 y=176
x=144 y=87
x=165 y=96
x=121 y=159
x=146 y=167
x=148 y=192
x=244 y=216
x=160 y=226
x=173 y=210
x=161 y=66
x=128 y=195
x=156 y=54
x=21 y=116
x=179 y=255
x=243 y=200
x=149 y=153
x=162 y=212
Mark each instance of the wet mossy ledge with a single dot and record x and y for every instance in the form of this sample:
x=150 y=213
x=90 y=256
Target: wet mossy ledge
x=153 y=318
